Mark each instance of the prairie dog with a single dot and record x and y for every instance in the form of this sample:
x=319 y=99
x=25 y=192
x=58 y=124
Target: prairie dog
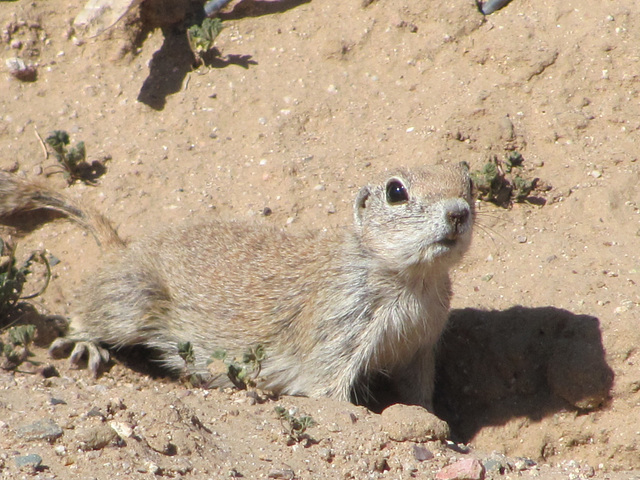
x=333 y=310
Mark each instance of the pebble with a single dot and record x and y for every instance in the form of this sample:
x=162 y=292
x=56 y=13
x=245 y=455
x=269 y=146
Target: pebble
x=521 y=239
x=421 y=454
x=96 y=438
x=45 y=429
x=122 y=429
x=507 y=131
x=467 y=469
x=32 y=460
x=494 y=465
x=326 y=454
x=521 y=464
x=287 y=474
x=48 y=371
x=412 y=423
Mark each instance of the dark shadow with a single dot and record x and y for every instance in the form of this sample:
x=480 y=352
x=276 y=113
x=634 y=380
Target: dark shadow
x=22 y=223
x=258 y=8
x=170 y=65
x=168 y=68
x=493 y=366
x=214 y=60
x=48 y=327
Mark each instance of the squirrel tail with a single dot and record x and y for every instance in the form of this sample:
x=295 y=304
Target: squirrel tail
x=18 y=196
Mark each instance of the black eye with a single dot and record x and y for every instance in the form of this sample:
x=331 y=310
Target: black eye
x=396 y=192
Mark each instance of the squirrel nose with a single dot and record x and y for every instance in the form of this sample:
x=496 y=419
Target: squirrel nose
x=457 y=218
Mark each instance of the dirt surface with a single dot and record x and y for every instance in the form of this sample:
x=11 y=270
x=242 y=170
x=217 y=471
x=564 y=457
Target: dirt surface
x=538 y=374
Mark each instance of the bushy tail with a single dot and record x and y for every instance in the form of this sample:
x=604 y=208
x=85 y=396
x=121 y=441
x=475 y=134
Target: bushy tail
x=19 y=196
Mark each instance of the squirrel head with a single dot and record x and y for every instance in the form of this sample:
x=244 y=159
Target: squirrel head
x=417 y=218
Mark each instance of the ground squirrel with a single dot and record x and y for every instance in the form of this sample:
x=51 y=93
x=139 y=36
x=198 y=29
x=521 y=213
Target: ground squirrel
x=333 y=310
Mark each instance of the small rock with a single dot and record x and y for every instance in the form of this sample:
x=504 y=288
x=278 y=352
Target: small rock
x=31 y=461
x=421 y=454
x=153 y=468
x=326 y=454
x=48 y=371
x=20 y=70
x=122 y=429
x=41 y=430
x=521 y=464
x=506 y=129
x=266 y=211
x=380 y=465
x=412 y=423
x=521 y=239
x=286 y=474
x=96 y=438
x=494 y=465
x=13 y=167
x=467 y=469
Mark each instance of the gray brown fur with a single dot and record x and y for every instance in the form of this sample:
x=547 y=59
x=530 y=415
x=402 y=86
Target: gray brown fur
x=332 y=309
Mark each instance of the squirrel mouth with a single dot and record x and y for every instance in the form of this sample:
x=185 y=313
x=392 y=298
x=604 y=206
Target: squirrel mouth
x=447 y=242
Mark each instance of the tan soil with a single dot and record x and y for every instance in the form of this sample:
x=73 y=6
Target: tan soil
x=305 y=103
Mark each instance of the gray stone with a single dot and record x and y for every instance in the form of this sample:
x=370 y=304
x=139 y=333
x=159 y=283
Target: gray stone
x=32 y=460
x=45 y=429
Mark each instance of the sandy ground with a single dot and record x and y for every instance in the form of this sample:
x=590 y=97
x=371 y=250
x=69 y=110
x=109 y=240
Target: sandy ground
x=303 y=105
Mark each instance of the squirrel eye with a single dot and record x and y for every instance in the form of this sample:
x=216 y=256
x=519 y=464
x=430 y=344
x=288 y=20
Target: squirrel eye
x=396 y=192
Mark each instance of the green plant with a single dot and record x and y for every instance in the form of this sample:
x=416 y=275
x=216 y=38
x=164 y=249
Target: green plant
x=17 y=350
x=201 y=37
x=295 y=427
x=13 y=278
x=503 y=181
x=72 y=160
x=245 y=372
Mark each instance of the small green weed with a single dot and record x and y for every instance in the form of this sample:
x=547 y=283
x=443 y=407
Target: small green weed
x=16 y=350
x=201 y=37
x=243 y=373
x=72 y=160
x=295 y=427
x=503 y=181
x=13 y=277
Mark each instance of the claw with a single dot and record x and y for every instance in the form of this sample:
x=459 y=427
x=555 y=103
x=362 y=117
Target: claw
x=61 y=347
x=95 y=354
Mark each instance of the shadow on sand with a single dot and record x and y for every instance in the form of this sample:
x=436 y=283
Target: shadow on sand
x=493 y=366
x=174 y=60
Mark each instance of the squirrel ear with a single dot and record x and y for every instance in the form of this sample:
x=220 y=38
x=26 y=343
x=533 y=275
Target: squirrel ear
x=361 y=204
